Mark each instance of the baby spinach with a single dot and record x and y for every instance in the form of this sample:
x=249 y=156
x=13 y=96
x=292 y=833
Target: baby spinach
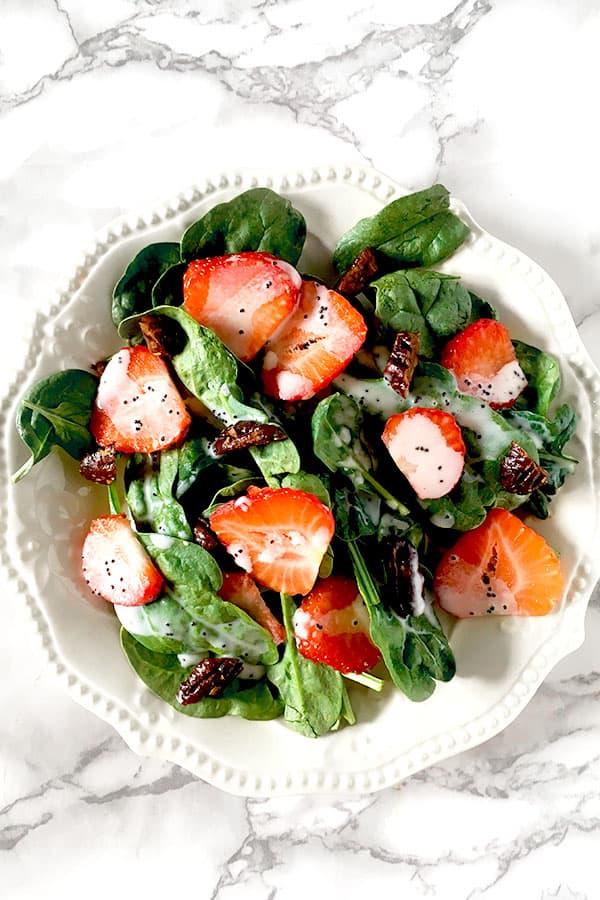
x=415 y=649
x=163 y=674
x=312 y=484
x=337 y=430
x=192 y=458
x=543 y=378
x=168 y=290
x=436 y=305
x=56 y=412
x=258 y=219
x=133 y=291
x=550 y=436
x=150 y=497
x=416 y=230
x=312 y=693
x=209 y=371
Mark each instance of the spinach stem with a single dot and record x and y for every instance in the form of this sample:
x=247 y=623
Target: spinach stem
x=114 y=501
x=385 y=494
x=366 y=679
x=366 y=584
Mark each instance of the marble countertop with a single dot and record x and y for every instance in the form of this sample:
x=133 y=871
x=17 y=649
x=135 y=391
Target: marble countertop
x=110 y=106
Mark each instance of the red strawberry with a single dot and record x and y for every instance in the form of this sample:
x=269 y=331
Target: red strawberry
x=279 y=535
x=427 y=447
x=483 y=361
x=313 y=346
x=238 y=588
x=116 y=566
x=138 y=408
x=332 y=626
x=243 y=297
x=501 y=568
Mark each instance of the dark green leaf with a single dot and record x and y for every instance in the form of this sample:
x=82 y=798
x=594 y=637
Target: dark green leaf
x=416 y=230
x=312 y=693
x=312 y=484
x=168 y=290
x=543 y=377
x=56 y=412
x=258 y=219
x=163 y=674
x=151 y=501
x=133 y=291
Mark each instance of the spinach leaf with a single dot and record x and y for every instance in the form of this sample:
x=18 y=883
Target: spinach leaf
x=465 y=507
x=337 y=430
x=192 y=458
x=229 y=491
x=150 y=497
x=312 y=484
x=416 y=230
x=550 y=436
x=133 y=291
x=415 y=649
x=436 y=305
x=56 y=412
x=163 y=674
x=481 y=309
x=191 y=616
x=209 y=371
x=258 y=219
x=356 y=514
x=312 y=693
x=168 y=290
x=543 y=377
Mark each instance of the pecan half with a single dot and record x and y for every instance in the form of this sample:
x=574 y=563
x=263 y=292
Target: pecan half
x=100 y=465
x=99 y=367
x=162 y=335
x=519 y=474
x=205 y=536
x=208 y=679
x=404 y=582
x=401 y=365
x=246 y=434
x=361 y=272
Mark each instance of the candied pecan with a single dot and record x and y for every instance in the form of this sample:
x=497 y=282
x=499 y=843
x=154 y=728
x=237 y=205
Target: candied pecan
x=403 y=359
x=205 y=536
x=162 y=335
x=404 y=582
x=519 y=474
x=99 y=367
x=246 y=434
x=208 y=679
x=100 y=465
x=361 y=272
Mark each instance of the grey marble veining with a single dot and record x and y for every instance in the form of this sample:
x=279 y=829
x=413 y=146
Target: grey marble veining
x=109 y=106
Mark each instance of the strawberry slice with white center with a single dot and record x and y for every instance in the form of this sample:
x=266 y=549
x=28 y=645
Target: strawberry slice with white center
x=428 y=448
x=483 y=361
x=502 y=568
x=332 y=626
x=278 y=535
x=313 y=346
x=137 y=408
x=239 y=589
x=242 y=297
x=116 y=566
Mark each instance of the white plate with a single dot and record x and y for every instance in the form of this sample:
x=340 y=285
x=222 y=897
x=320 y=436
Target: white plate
x=500 y=661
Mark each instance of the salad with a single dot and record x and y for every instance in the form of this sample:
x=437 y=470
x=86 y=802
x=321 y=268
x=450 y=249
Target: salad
x=299 y=475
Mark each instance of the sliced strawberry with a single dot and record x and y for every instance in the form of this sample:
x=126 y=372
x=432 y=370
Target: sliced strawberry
x=243 y=297
x=238 y=588
x=332 y=626
x=501 y=568
x=116 y=566
x=313 y=346
x=279 y=535
x=138 y=408
x=483 y=361
x=428 y=448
